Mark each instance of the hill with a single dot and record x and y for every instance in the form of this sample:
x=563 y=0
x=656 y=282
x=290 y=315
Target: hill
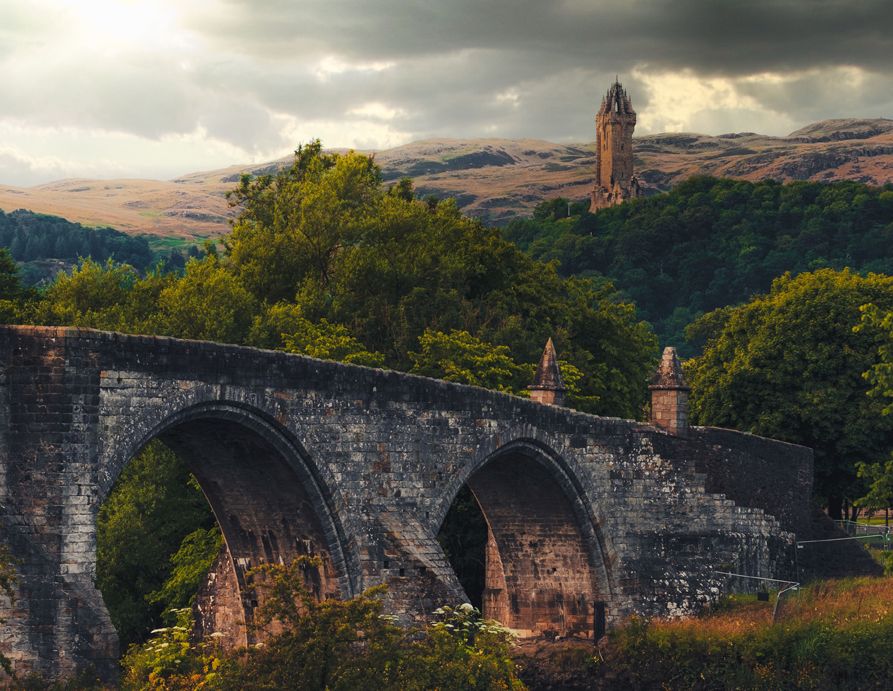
x=496 y=179
x=46 y=245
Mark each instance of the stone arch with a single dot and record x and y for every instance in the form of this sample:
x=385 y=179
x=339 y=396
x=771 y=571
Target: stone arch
x=547 y=561
x=269 y=498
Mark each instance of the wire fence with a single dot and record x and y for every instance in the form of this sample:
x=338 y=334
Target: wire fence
x=872 y=536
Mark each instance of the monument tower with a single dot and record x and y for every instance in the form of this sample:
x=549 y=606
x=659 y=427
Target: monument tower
x=615 y=181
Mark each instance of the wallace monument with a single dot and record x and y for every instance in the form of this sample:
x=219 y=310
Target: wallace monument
x=615 y=181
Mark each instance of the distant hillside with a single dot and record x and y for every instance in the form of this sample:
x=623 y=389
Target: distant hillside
x=497 y=179
x=45 y=245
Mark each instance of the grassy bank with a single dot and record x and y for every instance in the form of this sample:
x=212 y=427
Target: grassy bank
x=829 y=635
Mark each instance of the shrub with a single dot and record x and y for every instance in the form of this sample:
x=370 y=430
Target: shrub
x=333 y=644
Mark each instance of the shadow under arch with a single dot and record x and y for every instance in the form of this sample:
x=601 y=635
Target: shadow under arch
x=268 y=497
x=546 y=562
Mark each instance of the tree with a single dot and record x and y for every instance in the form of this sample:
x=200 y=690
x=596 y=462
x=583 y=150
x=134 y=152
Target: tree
x=460 y=357
x=11 y=290
x=208 y=303
x=291 y=226
x=189 y=565
x=879 y=478
x=92 y=295
x=789 y=365
x=880 y=375
x=10 y=283
x=145 y=519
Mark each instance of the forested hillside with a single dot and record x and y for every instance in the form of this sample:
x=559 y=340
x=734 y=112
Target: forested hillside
x=713 y=242
x=47 y=244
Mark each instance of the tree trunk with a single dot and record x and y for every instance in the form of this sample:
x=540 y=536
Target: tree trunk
x=835 y=504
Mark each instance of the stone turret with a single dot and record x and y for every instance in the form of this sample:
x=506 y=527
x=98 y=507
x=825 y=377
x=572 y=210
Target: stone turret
x=669 y=395
x=615 y=181
x=547 y=386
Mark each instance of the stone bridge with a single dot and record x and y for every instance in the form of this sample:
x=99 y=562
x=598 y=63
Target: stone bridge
x=360 y=466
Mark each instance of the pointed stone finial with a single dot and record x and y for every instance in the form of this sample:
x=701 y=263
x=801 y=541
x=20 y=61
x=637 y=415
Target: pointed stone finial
x=669 y=395
x=547 y=386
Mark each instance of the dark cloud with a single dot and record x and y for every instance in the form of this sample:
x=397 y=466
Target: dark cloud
x=728 y=37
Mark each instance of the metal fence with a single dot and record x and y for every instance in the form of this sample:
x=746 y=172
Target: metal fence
x=872 y=536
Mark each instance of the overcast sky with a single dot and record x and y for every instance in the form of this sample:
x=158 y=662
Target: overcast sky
x=156 y=88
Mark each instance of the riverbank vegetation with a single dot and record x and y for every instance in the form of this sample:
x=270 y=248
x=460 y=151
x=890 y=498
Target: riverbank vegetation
x=829 y=635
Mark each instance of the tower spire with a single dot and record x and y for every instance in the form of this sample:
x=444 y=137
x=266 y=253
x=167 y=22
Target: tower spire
x=548 y=386
x=669 y=395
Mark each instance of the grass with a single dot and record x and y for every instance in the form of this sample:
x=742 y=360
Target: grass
x=875 y=520
x=830 y=635
x=158 y=243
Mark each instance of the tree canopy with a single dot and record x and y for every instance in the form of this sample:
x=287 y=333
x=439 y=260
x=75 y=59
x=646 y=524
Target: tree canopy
x=714 y=242
x=326 y=261
x=789 y=364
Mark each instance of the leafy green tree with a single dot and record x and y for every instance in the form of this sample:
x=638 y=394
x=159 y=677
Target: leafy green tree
x=460 y=357
x=879 y=476
x=880 y=375
x=189 y=565
x=879 y=479
x=208 y=303
x=11 y=290
x=284 y=323
x=92 y=295
x=291 y=226
x=149 y=512
x=789 y=365
x=10 y=282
